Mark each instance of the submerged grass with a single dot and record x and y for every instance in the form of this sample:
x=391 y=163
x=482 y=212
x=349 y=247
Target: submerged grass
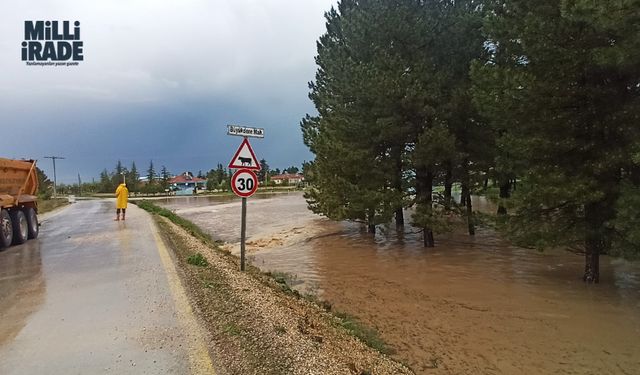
x=367 y=335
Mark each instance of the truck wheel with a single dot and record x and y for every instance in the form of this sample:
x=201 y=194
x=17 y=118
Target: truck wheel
x=32 y=222
x=20 y=227
x=6 y=229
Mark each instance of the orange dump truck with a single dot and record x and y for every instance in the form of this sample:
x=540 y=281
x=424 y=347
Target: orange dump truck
x=18 y=201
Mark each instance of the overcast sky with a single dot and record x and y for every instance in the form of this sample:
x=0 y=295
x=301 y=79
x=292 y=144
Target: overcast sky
x=160 y=81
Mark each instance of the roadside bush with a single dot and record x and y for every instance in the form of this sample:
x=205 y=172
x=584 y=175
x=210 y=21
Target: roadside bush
x=197 y=260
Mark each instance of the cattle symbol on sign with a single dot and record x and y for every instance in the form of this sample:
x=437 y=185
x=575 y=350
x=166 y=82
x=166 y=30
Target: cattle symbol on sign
x=244 y=158
x=244 y=183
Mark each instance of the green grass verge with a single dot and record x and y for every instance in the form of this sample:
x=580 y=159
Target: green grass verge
x=187 y=225
x=47 y=205
x=197 y=260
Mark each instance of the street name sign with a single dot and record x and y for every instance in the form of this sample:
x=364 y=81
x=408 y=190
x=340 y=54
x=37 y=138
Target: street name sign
x=245 y=131
x=244 y=158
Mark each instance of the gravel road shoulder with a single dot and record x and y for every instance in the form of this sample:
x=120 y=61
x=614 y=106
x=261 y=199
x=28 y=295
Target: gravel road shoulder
x=254 y=327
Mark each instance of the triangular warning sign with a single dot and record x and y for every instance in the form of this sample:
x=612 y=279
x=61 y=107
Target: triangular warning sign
x=245 y=158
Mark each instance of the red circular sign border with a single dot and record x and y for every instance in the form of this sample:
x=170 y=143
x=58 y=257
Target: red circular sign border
x=233 y=185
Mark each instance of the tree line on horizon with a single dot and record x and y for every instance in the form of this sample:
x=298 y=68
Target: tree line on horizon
x=154 y=182
x=414 y=94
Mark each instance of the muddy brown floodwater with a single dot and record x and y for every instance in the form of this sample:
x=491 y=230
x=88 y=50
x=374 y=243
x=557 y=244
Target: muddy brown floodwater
x=471 y=305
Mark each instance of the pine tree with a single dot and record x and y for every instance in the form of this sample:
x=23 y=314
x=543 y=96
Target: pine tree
x=151 y=173
x=292 y=170
x=44 y=184
x=133 y=178
x=452 y=142
x=263 y=172
x=119 y=168
x=165 y=176
x=106 y=184
x=563 y=82
x=393 y=80
x=355 y=134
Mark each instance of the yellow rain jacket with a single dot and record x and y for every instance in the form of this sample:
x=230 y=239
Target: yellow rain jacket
x=122 y=196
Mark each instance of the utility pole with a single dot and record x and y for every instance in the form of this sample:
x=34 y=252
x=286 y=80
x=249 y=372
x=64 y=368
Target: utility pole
x=79 y=186
x=54 y=172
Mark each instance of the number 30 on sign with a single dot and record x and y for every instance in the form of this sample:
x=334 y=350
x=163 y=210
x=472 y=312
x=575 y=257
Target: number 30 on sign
x=244 y=183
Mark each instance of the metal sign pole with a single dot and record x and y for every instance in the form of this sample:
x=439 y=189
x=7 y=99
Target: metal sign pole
x=244 y=181
x=243 y=232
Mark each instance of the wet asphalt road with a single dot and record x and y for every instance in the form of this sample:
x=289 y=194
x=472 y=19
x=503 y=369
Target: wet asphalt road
x=95 y=296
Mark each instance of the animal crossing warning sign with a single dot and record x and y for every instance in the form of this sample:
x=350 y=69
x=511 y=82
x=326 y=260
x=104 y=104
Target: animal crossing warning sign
x=244 y=158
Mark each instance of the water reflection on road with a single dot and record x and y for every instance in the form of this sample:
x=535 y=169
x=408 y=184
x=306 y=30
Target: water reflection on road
x=470 y=305
x=22 y=288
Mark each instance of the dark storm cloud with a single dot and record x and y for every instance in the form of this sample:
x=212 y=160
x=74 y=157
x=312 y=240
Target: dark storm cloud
x=160 y=81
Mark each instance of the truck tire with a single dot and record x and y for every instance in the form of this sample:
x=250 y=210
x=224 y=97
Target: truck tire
x=32 y=222
x=20 y=227
x=6 y=229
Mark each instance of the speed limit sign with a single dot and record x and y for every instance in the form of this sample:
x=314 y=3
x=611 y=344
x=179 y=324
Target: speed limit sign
x=244 y=183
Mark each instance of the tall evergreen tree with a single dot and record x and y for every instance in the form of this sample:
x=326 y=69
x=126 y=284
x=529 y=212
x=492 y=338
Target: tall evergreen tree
x=292 y=170
x=391 y=76
x=44 y=184
x=264 y=171
x=119 y=173
x=151 y=173
x=106 y=184
x=221 y=174
x=453 y=143
x=563 y=82
x=133 y=178
x=165 y=176
x=119 y=168
x=356 y=136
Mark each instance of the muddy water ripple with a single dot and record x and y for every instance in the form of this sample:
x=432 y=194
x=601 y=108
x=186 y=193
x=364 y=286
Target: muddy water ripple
x=472 y=305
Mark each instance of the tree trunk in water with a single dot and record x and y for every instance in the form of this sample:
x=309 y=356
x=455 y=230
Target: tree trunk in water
x=470 y=223
x=463 y=195
x=399 y=217
x=591 y=263
x=397 y=185
x=505 y=192
x=371 y=228
x=424 y=186
x=634 y=175
x=596 y=215
x=428 y=238
x=447 y=187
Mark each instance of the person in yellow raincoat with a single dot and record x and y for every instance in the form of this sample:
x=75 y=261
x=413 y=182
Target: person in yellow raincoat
x=122 y=198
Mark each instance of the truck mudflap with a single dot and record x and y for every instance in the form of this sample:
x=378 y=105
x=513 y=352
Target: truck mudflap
x=6 y=200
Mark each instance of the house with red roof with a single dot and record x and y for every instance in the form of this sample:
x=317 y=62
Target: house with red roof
x=288 y=178
x=187 y=184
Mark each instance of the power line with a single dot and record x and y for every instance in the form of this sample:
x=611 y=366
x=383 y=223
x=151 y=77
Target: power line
x=54 y=171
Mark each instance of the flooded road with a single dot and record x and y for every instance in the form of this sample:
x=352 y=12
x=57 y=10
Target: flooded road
x=472 y=305
x=92 y=295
